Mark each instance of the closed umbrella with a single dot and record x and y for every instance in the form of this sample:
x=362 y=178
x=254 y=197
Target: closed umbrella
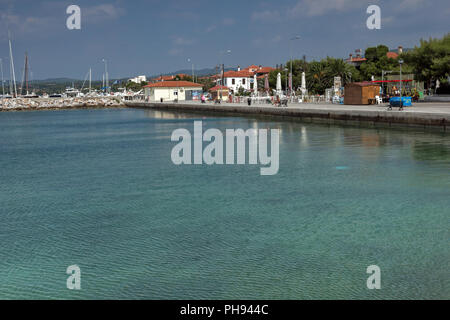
x=303 y=83
x=279 y=89
x=255 y=85
x=266 y=83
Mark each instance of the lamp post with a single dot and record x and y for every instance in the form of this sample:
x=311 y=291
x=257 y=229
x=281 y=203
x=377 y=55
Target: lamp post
x=106 y=75
x=193 y=74
x=222 y=52
x=286 y=71
x=401 y=101
x=3 y=81
x=383 y=72
x=290 y=48
x=223 y=68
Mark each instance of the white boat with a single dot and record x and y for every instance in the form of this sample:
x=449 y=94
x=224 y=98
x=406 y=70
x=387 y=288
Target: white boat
x=72 y=92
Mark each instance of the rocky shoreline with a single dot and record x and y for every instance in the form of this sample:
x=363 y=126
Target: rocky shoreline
x=22 y=104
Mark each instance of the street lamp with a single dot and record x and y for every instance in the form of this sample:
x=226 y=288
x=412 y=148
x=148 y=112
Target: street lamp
x=383 y=72
x=290 y=48
x=401 y=101
x=193 y=75
x=106 y=75
x=3 y=81
x=222 y=52
x=223 y=68
x=286 y=70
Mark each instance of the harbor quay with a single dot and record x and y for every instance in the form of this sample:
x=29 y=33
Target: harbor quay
x=431 y=115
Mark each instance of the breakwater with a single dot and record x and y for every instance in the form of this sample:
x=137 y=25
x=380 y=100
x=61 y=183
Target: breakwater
x=24 y=104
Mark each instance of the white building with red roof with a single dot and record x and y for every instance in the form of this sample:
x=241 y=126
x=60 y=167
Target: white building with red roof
x=244 y=78
x=168 y=91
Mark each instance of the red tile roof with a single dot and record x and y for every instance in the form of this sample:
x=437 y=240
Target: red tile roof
x=265 y=70
x=356 y=59
x=168 y=78
x=173 y=84
x=238 y=74
x=392 y=55
x=217 y=88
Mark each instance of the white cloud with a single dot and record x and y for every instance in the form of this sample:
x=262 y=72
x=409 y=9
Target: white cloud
x=211 y=28
x=24 y=24
x=175 y=52
x=180 y=41
x=266 y=15
x=102 y=12
x=228 y=22
x=321 y=7
x=410 y=5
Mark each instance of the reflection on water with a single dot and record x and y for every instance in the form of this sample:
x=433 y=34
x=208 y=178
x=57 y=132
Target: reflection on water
x=98 y=188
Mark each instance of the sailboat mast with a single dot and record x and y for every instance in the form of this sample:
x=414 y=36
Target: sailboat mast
x=26 y=72
x=90 y=79
x=12 y=69
x=3 y=81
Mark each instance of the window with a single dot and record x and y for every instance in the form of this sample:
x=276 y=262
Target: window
x=243 y=82
x=233 y=81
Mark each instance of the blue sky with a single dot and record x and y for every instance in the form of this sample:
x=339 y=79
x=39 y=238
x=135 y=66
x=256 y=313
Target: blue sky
x=159 y=36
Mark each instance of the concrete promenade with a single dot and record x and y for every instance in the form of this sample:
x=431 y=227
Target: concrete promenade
x=435 y=115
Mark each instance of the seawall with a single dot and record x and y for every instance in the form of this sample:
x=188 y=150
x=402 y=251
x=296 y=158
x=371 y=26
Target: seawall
x=425 y=115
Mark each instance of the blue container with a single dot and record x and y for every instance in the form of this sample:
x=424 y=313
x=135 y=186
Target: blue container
x=406 y=101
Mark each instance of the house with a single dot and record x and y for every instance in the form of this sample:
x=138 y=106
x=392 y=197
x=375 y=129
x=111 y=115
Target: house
x=164 y=91
x=235 y=80
x=244 y=78
x=138 y=79
x=169 y=78
x=356 y=61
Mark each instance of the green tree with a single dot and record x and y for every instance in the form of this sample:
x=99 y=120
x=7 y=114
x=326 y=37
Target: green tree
x=430 y=61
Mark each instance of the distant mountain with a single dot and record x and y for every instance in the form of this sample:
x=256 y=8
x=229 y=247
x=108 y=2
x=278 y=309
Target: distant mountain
x=200 y=72
x=56 y=80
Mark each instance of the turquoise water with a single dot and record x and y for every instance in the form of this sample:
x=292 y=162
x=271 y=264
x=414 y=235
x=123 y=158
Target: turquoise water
x=97 y=188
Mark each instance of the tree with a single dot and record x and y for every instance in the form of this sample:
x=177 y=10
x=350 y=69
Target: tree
x=430 y=61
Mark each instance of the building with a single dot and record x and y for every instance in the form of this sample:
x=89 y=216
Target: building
x=244 y=78
x=235 y=80
x=220 y=93
x=169 y=78
x=361 y=93
x=138 y=79
x=172 y=91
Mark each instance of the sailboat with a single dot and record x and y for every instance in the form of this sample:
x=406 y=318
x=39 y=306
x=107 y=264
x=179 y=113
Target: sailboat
x=12 y=85
x=25 y=81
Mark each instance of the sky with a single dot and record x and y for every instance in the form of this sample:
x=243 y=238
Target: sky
x=160 y=36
